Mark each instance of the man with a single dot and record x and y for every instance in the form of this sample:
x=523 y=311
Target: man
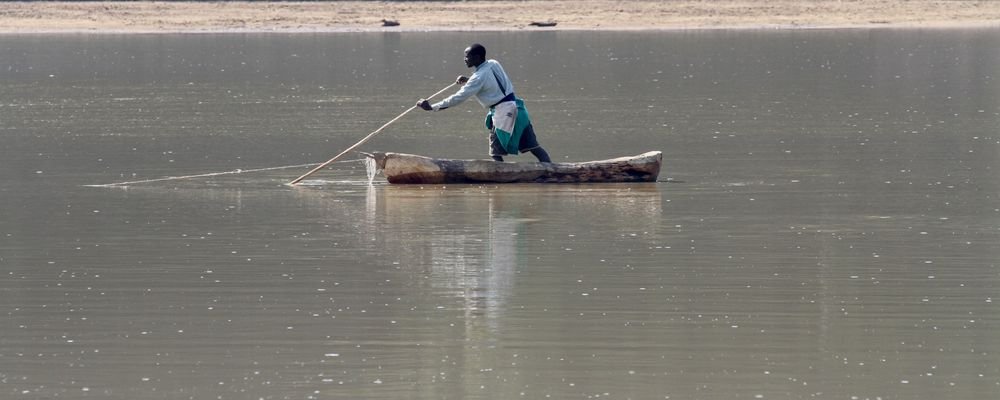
x=508 y=122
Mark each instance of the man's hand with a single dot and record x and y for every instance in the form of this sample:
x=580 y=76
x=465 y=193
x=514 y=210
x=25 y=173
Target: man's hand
x=426 y=105
x=461 y=80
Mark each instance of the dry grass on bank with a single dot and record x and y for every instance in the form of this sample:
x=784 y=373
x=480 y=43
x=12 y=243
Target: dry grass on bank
x=483 y=15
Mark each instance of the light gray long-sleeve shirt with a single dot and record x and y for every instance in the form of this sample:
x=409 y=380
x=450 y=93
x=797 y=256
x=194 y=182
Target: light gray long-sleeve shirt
x=489 y=83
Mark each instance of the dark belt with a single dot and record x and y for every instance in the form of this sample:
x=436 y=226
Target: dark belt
x=509 y=97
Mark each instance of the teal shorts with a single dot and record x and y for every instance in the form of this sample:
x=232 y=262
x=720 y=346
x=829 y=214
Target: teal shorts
x=527 y=143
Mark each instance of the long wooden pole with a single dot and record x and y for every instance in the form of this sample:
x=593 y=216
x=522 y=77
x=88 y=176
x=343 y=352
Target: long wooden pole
x=362 y=141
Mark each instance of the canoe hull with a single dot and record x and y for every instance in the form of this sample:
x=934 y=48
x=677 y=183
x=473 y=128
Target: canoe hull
x=402 y=168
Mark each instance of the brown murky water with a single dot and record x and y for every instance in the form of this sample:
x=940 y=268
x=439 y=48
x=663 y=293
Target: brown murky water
x=831 y=227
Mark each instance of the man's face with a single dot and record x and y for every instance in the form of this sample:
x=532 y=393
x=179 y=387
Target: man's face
x=472 y=60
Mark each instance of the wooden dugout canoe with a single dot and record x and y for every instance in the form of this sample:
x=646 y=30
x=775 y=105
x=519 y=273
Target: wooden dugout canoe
x=414 y=169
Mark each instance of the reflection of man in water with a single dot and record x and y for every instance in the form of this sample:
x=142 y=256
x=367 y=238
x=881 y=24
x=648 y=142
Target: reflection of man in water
x=510 y=127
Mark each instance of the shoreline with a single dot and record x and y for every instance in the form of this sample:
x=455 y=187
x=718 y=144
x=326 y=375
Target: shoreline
x=429 y=29
x=478 y=16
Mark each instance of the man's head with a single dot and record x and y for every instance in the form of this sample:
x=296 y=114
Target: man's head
x=475 y=55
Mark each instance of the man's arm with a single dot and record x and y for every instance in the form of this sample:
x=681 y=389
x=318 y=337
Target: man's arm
x=426 y=105
x=472 y=86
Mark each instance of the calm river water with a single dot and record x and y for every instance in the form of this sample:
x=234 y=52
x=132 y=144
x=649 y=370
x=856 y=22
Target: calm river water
x=827 y=223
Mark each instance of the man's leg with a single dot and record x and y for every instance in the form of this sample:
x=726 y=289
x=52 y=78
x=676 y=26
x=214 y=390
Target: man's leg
x=496 y=149
x=540 y=154
x=530 y=143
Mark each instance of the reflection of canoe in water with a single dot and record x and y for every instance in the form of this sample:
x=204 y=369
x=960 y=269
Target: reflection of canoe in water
x=409 y=168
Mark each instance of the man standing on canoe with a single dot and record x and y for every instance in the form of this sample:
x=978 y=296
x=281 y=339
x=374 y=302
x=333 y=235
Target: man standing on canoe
x=508 y=122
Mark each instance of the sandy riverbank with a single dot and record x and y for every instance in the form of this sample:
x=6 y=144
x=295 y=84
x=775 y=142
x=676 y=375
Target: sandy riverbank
x=33 y=17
